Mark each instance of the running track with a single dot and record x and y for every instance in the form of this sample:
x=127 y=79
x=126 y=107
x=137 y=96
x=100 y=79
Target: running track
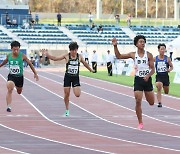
x=102 y=120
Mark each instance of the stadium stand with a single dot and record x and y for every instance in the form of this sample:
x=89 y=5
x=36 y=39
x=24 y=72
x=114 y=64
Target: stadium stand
x=41 y=34
x=156 y=35
x=4 y=38
x=51 y=34
x=170 y=32
x=92 y=36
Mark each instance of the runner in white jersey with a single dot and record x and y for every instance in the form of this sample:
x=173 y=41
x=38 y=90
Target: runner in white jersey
x=144 y=68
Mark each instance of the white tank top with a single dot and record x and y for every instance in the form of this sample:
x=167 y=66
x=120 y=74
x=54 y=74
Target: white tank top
x=141 y=65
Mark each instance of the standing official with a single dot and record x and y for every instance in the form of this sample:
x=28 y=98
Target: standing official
x=94 y=61
x=109 y=61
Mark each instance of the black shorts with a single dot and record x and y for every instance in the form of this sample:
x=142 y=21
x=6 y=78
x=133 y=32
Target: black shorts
x=163 y=78
x=71 y=80
x=141 y=85
x=18 y=80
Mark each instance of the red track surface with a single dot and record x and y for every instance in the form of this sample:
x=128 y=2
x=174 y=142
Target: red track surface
x=97 y=122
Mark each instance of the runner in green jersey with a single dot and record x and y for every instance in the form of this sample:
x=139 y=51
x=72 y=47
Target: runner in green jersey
x=15 y=76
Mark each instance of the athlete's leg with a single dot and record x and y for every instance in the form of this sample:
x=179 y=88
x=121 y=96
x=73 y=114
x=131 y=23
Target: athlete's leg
x=10 y=87
x=166 y=89
x=77 y=91
x=138 y=96
x=19 y=90
x=159 y=86
x=66 y=96
x=149 y=97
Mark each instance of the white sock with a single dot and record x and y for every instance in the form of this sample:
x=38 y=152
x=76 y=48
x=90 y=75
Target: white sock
x=9 y=106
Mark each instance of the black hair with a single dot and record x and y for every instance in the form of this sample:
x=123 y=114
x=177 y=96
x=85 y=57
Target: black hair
x=15 y=44
x=161 y=44
x=139 y=37
x=73 y=46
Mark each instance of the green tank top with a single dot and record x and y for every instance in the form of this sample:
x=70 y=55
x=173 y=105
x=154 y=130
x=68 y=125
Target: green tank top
x=15 y=64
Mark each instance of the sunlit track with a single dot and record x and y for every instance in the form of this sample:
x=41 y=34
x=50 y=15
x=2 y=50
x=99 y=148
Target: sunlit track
x=29 y=79
x=55 y=141
x=149 y=148
x=4 y=150
x=123 y=107
x=131 y=105
x=91 y=81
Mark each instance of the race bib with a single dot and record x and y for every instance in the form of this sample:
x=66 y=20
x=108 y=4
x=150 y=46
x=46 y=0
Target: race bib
x=143 y=73
x=161 y=68
x=72 y=69
x=14 y=69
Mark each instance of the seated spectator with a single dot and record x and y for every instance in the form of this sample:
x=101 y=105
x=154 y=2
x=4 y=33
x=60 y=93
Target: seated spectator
x=31 y=23
x=36 y=18
x=8 y=21
x=25 y=25
x=93 y=26
x=31 y=20
x=14 y=22
x=24 y=20
x=129 y=20
x=117 y=18
x=100 y=29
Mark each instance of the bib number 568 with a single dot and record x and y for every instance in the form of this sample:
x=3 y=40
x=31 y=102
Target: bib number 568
x=143 y=73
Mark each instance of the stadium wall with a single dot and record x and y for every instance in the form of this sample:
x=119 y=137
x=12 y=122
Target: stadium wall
x=5 y=52
x=101 y=50
x=74 y=15
x=14 y=11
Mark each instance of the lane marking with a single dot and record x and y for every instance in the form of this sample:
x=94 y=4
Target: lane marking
x=174 y=97
x=78 y=129
x=99 y=118
x=81 y=147
x=114 y=91
x=13 y=150
x=115 y=103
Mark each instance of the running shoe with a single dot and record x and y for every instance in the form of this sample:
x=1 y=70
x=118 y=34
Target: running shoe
x=8 y=109
x=140 y=126
x=67 y=113
x=159 y=105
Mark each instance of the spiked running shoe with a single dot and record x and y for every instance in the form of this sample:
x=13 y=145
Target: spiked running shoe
x=67 y=113
x=159 y=104
x=8 y=109
x=140 y=126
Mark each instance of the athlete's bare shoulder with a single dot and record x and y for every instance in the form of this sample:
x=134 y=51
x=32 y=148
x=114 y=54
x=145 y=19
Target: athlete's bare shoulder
x=149 y=54
x=132 y=54
x=66 y=56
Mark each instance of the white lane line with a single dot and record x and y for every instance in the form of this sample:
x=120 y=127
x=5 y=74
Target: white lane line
x=116 y=105
x=115 y=91
x=99 y=118
x=81 y=147
x=13 y=150
x=174 y=97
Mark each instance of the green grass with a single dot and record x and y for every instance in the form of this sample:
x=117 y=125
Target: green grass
x=129 y=80
x=142 y=21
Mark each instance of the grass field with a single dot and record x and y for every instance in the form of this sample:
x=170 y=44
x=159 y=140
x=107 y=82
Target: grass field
x=123 y=22
x=129 y=80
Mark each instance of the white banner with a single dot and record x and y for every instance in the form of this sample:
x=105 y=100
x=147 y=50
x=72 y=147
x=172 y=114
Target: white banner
x=177 y=78
x=122 y=68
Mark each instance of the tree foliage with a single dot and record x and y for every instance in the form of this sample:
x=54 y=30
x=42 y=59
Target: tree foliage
x=108 y=7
